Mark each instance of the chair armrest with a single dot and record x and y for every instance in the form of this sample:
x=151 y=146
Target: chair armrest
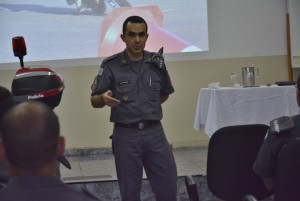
x=191 y=188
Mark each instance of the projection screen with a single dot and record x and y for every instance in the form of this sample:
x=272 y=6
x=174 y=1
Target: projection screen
x=66 y=29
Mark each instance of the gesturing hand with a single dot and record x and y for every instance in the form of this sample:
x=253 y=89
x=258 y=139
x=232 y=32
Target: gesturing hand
x=109 y=100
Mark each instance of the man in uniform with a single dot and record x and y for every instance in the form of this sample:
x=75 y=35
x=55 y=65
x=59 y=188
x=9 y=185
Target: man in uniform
x=281 y=131
x=134 y=83
x=31 y=144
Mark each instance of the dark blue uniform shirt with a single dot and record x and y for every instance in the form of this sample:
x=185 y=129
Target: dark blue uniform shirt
x=265 y=164
x=40 y=188
x=138 y=85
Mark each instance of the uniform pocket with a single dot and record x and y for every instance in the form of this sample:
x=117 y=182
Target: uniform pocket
x=125 y=89
x=155 y=85
x=152 y=85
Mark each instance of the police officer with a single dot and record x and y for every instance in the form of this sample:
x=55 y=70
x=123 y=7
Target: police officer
x=281 y=131
x=134 y=83
x=31 y=144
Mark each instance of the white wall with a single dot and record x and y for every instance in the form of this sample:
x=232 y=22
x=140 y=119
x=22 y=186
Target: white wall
x=237 y=28
x=294 y=16
x=243 y=28
x=241 y=32
x=86 y=127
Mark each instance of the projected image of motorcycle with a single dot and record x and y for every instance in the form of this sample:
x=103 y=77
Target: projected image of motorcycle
x=110 y=41
x=97 y=6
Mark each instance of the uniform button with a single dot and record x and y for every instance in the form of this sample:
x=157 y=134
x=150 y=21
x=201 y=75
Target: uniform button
x=141 y=126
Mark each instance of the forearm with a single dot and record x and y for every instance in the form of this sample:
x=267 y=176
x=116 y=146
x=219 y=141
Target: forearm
x=163 y=98
x=97 y=101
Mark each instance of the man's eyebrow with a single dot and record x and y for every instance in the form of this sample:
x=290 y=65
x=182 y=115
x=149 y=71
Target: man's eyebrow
x=132 y=32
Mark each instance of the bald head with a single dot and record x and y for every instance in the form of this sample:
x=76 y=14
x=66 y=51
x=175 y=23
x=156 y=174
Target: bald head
x=30 y=133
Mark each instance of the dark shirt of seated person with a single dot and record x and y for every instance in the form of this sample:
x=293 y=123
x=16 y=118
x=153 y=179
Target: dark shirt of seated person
x=31 y=142
x=278 y=135
x=6 y=102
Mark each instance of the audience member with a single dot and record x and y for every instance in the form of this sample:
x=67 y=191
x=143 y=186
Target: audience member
x=6 y=102
x=31 y=143
x=281 y=131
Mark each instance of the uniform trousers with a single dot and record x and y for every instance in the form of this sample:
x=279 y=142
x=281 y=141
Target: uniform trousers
x=134 y=149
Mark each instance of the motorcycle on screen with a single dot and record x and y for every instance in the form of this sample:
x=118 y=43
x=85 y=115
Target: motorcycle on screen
x=97 y=6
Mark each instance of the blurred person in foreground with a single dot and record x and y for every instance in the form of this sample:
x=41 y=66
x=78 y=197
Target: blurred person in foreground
x=281 y=131
x=6 y=102
x=31 y=143
x=134 y=83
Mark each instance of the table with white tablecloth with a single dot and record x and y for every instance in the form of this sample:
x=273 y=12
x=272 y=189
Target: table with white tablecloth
x=217 y=108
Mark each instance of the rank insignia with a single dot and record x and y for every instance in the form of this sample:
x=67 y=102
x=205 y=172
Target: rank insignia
x=125 y=97
x=95 y=83
x=100 y=71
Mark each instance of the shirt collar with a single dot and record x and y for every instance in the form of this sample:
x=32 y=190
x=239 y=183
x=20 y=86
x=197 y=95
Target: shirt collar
x=125 y=60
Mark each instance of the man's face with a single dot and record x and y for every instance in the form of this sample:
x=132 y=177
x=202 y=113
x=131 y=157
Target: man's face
x=135 y=39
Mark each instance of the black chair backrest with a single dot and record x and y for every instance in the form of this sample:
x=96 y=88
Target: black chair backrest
x=287 y=180
x=232 y=151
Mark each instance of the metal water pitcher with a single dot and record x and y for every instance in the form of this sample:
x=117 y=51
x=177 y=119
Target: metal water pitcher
x=249 y=74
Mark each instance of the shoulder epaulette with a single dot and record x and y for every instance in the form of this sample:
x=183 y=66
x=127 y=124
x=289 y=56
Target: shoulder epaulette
x=110 y=58
x=281 y=124
x=158 y=59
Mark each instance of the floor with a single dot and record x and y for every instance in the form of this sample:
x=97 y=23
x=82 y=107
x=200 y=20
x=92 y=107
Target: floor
x=93 y=171
x=101 y=166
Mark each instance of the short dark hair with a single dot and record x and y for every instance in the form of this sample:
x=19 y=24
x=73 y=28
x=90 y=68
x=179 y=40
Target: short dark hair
x=6 y=101
x=30 y=133
x=133 y=19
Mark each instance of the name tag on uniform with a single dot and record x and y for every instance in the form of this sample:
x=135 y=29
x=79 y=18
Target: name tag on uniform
x=124 y=82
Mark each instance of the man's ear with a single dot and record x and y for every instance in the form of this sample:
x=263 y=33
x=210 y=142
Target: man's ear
x=2 y=151
x=60 y=150
x=122 y=37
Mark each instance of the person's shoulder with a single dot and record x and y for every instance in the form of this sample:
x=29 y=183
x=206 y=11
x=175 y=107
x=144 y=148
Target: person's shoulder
x=148 y=54
x=112 y=58
x=282 y=125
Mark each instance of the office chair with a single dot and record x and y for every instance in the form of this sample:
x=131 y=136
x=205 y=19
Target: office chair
x=191 y=188
x=231 y=153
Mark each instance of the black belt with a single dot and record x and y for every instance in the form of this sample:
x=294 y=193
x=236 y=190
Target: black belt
x=138 y=125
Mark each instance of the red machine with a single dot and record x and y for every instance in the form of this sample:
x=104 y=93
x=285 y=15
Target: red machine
x=35 y=83
x=38 y=83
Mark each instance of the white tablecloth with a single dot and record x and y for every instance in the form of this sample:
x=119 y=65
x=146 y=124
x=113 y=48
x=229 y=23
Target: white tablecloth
x=226 y=106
